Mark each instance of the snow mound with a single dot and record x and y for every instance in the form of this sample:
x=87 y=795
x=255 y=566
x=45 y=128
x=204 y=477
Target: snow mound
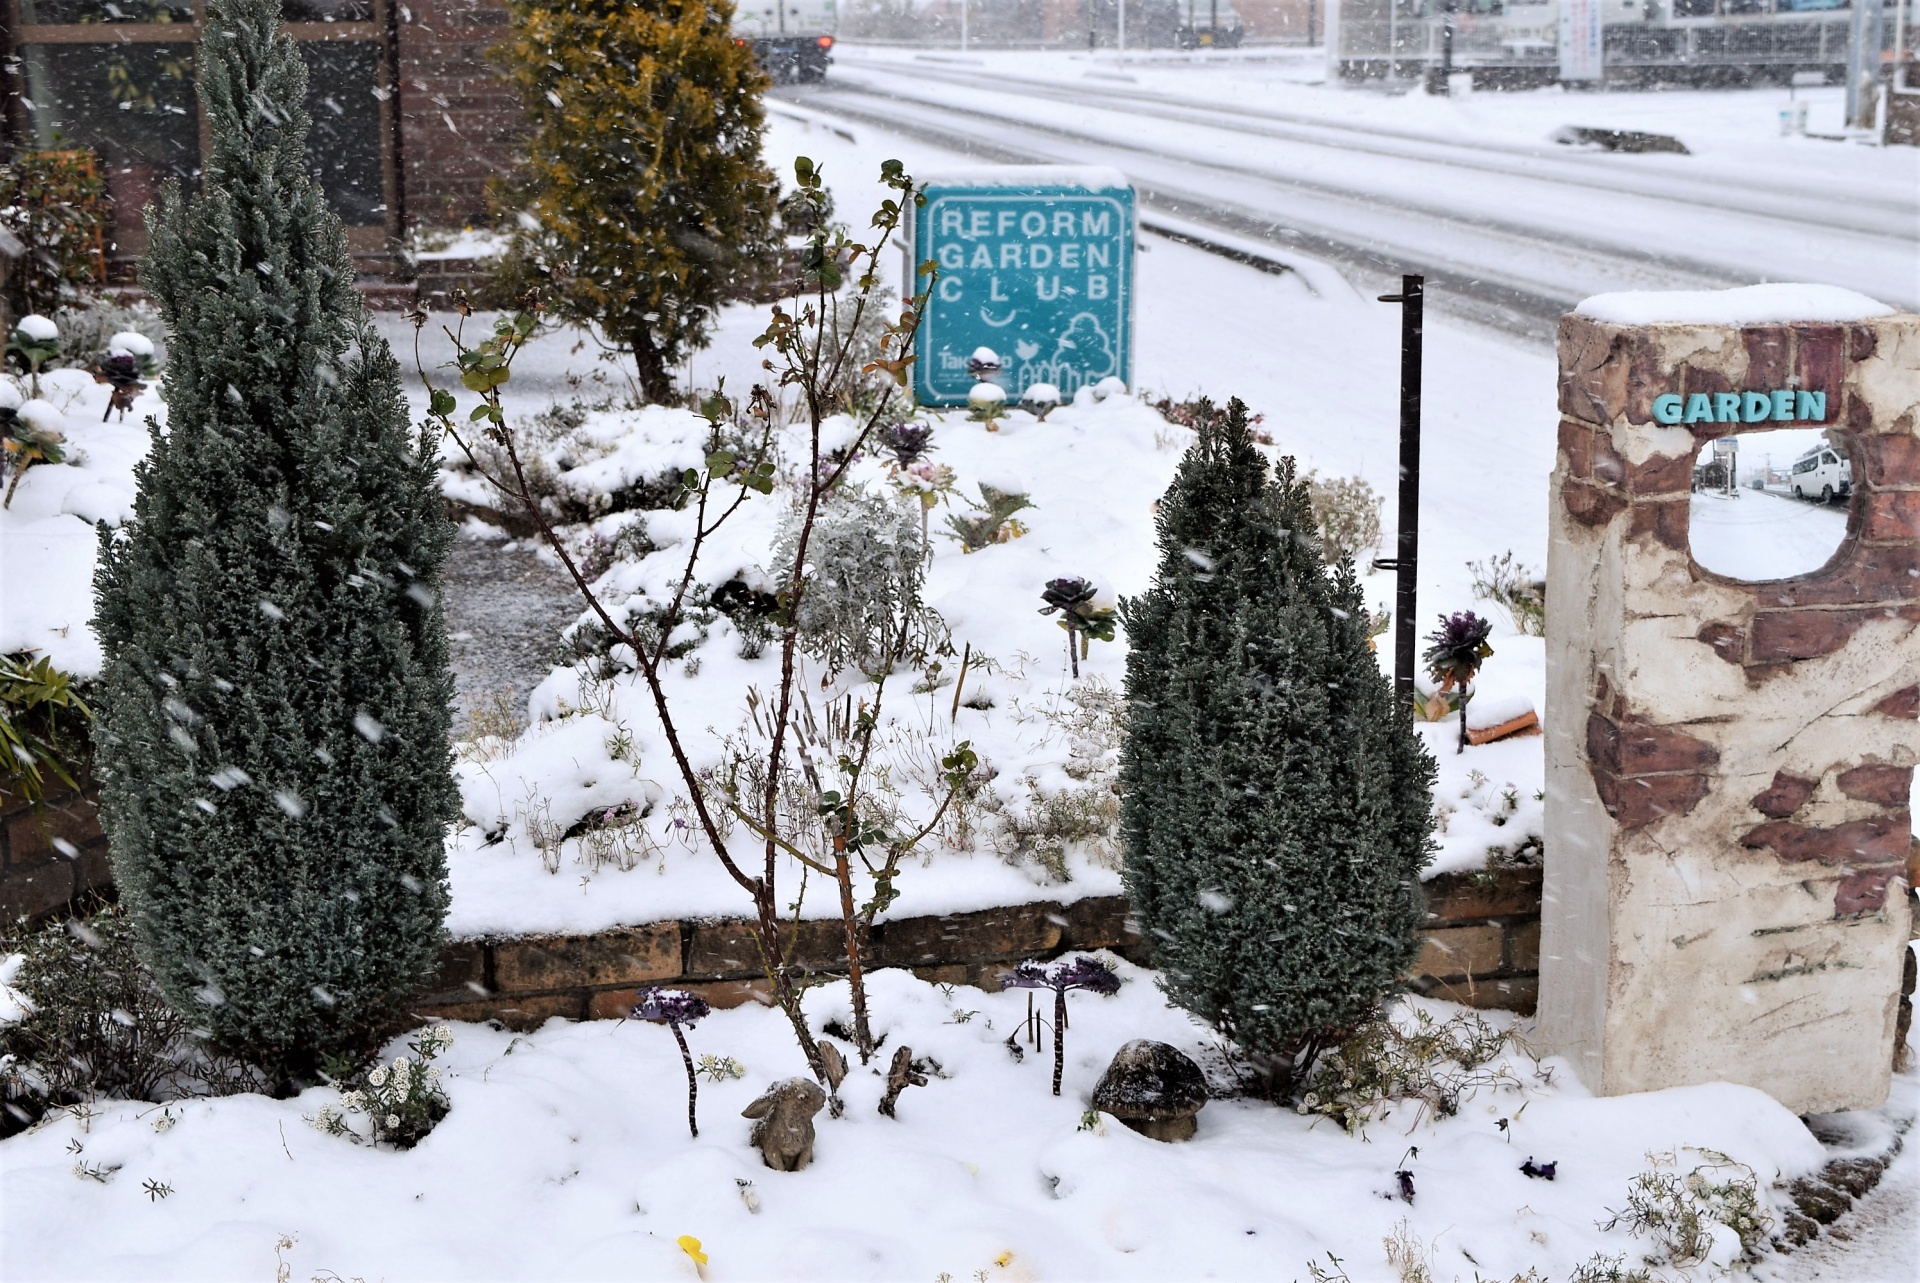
x=1750 y=305
x=1093 y=178
x=98 y=501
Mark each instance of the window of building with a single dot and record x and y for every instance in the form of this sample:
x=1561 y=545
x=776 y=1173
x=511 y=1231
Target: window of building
x=117 y=77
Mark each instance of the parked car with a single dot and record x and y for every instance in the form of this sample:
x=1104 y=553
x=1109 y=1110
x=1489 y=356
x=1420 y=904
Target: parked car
x=787 y=58
x=1209 y=24
x=1821 y=474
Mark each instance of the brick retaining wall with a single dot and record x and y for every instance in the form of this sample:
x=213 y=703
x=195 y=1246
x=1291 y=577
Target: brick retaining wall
x=1482 y=949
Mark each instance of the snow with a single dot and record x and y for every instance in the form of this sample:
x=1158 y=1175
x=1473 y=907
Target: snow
x=1750 y=305
x=131 y=343
x=566 y=1156
x=47 y=538
x=37 y=327
x=1092 y=178
x=464 y=244
x=1762 y=534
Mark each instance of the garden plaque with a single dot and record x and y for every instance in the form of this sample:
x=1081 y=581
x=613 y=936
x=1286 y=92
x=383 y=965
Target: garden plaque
x=1036 y=263
x=1728 y=761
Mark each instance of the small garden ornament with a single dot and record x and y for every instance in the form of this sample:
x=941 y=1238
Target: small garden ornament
x=675 y=1008
x=1453 y=655
x=783 y=1123
x=900 y=1075
x=35 y=341
x=1068 y=973
x=986 y=400
x=128 y=361
x=1040 y=400
x=1154 y=1088
x=1072 y=600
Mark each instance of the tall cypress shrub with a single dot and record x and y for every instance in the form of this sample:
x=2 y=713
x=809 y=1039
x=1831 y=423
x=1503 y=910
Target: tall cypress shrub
x=1276 y=809
x=276 y=778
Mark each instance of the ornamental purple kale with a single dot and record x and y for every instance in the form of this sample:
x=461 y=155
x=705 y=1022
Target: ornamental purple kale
x=1082 y=972
x=908 y=443
x=1072 y=600
x=676 y=1009
x=1453 y=655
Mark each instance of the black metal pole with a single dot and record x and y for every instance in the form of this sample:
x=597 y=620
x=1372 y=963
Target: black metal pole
x=1406 y=561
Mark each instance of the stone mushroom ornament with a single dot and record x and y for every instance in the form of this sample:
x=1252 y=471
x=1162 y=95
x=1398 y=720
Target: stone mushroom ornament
x=1154 y=1089
x=783 y=1123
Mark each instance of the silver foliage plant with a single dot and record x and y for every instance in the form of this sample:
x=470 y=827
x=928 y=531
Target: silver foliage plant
x=866 y=567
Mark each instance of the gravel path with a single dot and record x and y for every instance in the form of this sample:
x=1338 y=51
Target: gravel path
x=505 y=610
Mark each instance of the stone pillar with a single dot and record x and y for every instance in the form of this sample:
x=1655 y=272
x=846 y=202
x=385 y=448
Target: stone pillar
x=1728 y=763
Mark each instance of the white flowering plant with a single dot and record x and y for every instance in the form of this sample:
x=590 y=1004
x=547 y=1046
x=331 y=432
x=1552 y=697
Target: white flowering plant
x=392 y=1104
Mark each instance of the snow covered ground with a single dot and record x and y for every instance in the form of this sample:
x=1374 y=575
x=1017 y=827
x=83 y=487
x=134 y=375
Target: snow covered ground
x=566 y=1156
x=1764 y=534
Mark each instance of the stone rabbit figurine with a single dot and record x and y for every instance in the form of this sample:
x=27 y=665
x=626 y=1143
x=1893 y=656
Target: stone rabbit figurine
x=783 y=1122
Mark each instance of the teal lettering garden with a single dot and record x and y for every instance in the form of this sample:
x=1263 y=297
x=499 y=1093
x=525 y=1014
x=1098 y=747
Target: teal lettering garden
x=1784 y=406
x=1040 y=273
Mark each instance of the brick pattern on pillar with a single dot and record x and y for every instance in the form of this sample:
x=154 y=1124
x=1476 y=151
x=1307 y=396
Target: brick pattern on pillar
x=1728 y=763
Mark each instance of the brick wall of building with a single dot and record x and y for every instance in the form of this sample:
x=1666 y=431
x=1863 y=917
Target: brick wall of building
x=460 y=126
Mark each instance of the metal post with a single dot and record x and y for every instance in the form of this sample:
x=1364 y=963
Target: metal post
x=1123 y=31
x=964 y=41
x=1406 y=561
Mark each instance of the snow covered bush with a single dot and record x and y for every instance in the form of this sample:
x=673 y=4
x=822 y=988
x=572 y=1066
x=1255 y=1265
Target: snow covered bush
x=81 y=1018
x=1041 y=816
x=1346 y=512
x=395 y=1104
x=1407 y=1055
x=1518 y=589
x=1275 y=803
x=644 y=201
x=1712 y=1214
x=991 y=521
x=866 y=565
x=275 y=701
x=586 y=462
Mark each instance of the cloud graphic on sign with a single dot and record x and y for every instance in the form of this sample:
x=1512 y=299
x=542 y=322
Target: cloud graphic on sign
x=1086 y=344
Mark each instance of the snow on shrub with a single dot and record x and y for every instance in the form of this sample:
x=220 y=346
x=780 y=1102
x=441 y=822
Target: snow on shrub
x=395 y=1104
x=866 y=565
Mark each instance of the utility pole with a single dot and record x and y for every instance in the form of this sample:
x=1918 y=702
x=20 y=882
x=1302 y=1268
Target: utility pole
x=1406 y=560
x=1865 y=34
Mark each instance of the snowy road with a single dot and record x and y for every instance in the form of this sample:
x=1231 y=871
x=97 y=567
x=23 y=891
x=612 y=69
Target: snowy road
x=1760 y=535
x=1509 y=228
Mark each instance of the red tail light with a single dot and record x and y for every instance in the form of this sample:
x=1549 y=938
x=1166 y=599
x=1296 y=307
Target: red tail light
x=826 y=42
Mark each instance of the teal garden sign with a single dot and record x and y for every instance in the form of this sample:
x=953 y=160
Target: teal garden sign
x=1035 y=262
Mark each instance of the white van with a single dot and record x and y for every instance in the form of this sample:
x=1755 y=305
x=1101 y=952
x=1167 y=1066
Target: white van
x=1821 y=474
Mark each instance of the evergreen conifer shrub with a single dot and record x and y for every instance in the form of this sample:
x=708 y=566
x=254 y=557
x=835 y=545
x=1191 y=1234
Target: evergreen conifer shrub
x=1276 y=809
x=274 y=708
x=644 y=203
